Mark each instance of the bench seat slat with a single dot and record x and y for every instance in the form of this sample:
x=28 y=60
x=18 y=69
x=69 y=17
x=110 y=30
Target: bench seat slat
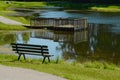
x=19 y=44
x=37 y=54
x=34 y=51
x=30 y=48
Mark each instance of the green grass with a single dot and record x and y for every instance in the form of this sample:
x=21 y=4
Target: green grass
x=71 y=71
x=19 y=19
x=29 y=4
x=11 y=27
x=5 y=12
x=3 y=5
x=107 y=9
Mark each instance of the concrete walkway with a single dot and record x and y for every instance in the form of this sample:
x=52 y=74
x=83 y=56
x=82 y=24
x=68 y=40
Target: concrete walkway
x=9 y=21
x=13 y=73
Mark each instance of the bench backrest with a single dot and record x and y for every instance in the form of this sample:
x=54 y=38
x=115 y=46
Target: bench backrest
x=30 y=48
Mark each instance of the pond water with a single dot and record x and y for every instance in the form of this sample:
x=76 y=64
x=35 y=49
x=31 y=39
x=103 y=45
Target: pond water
x=101 y=42
x=93 y=17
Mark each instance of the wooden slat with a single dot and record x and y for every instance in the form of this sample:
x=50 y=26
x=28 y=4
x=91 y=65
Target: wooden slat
x=29 y=48
x=21 y=49
x=18 y=44
x=32 y=48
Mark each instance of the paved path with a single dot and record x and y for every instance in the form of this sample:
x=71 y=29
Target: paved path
x=9 y=21
x=13 y=73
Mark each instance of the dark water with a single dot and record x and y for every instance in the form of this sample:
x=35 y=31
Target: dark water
x=101 y=42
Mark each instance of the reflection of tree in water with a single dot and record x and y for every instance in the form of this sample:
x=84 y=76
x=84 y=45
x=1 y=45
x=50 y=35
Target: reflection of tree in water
x=68 y=45
x=106 y=45
x=67 y=50
x=14 y=37
x=7 y=38
x=25 y=37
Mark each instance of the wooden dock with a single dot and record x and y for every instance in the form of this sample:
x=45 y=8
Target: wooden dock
x=59 y=24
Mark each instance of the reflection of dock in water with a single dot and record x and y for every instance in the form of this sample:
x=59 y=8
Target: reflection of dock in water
x=75 y=37
x=80 y=36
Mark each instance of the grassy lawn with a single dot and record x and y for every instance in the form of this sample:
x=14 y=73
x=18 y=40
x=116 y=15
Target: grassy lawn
x=107 y=9
x=28 y=4
x=19 y=19
x=71 y=71
x=4 y=6
x=11 y=27
x=5 y=12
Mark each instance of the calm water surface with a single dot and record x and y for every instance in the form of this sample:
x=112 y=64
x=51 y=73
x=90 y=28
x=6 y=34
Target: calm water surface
x=101 y=42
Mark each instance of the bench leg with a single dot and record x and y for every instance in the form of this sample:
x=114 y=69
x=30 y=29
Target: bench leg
x=19 y=57
x=24 y=56
x=44 y=59
x=48 y=59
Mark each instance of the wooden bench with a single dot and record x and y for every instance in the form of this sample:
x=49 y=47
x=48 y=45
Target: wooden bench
x=40 y=50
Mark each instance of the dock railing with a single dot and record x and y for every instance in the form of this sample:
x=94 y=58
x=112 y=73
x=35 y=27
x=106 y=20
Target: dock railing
x=76 y=23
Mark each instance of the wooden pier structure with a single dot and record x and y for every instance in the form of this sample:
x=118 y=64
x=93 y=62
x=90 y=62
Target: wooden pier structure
x=60 y=24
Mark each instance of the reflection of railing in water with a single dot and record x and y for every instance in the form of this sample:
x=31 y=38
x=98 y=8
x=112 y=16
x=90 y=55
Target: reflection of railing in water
x=43 y=34
x=59 y=23
x=75 y=37
x=81 y=36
